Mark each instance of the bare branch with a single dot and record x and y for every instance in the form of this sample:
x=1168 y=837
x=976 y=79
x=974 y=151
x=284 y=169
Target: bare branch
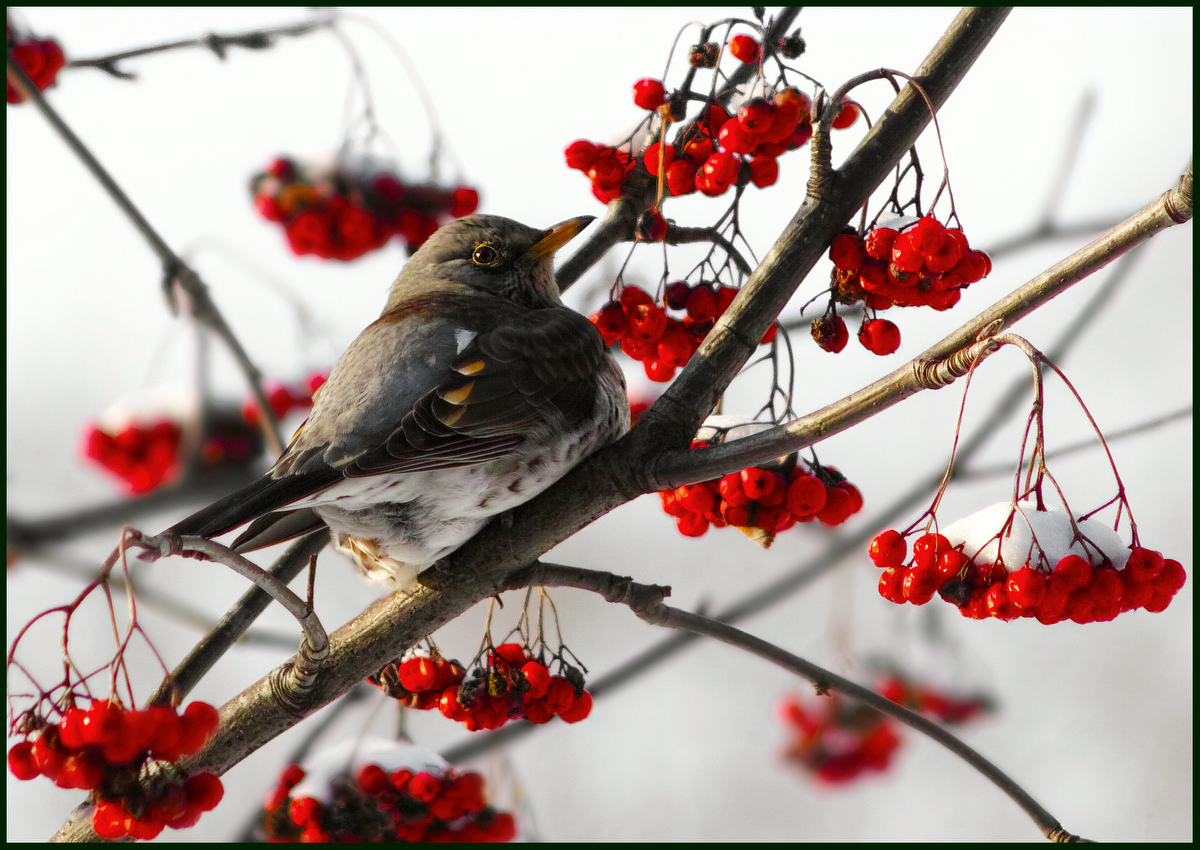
x=646 y=602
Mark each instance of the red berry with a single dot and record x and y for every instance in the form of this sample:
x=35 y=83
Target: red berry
x=905 y=255
x=21 y=761
x=581 y=155
x=1073 y=572
x=927 y=548
x=108 y=819
x=692 y=525
x=416 y=674
x=744 y=48
x=847 y=116
x=839 y=506
x=891 y=584
x=463 y=201
x=305 y=811
x=611 y=321
x=1171 y=579
x=722 y=167
x=649 y=93
x=879 y=336
x=764 y=171
x=697 y=498
x=658 y=370
x=920 y=584
x=806 y=496
x=424 y=786
x=204 y=715
x=372 y=779
x=204 y=791
x=651 y=159
x=560 y=696
x=879 y=243
x=674 y=347
x=830 y=333
x=734 y=138
x=847 y=252
x=949 y=565
x=926 y=234
x=1144 y=564
x=757 y=482
x=681 y=177
x=647 y=322
x=579 y=709
x=888 y=549
x=651 y=227
x=1026 y=588
x=945 y=256
x=702 y=304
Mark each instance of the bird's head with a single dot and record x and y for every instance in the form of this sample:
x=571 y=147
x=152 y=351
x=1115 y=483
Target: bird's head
x=491 y=254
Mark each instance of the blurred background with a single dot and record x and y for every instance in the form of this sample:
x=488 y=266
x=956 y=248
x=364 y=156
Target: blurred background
x=1094 y=721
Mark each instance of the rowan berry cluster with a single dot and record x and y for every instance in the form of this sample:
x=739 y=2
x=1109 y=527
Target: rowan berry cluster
x=923 y=264
x=663 y=343
x=107 y=748
x=927 y=699
x=713 y=153
x=347 y=210
x=144 y=456
x=1051 y=586
x=41 y=59
x=763 y=501
x=838 y=740
x=380 y=806
x=284 y=399
x=510 y=686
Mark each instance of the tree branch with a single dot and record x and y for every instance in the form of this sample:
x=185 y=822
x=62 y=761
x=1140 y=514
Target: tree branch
x=646 y=602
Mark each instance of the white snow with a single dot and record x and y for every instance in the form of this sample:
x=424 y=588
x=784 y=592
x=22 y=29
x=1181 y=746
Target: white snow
x=1032 y=534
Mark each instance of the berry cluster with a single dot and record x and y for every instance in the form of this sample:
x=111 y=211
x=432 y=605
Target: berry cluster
x=284 y=399
x=41 y=59
x=716 y=152
x=981 y=585
x=378 y=806
x=925 y=264
x=512 y=685
x=763 y=500
x=606 y=167
x=144 y=456
x=838 y=740
x=661 y=342
x=929 y=700
x=350 y=209
x=107 y=747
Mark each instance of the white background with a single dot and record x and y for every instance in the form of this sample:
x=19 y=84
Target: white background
x=1095 y=721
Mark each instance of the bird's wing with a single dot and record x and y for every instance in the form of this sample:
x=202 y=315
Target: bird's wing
x=535 y=369
x=531 y=369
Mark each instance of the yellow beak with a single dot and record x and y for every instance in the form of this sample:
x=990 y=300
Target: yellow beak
x=557 y=236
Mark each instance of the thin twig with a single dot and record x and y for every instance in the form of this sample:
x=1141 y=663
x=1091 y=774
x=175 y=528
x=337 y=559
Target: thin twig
x=218 y=43
x=646 y=602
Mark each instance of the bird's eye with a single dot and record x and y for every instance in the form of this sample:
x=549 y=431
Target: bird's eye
x=485 y=255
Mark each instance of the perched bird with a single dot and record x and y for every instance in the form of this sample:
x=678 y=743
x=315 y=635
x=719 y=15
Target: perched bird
x=475 y=390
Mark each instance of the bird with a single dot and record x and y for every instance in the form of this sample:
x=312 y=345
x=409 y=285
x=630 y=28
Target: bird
x=474 y=391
